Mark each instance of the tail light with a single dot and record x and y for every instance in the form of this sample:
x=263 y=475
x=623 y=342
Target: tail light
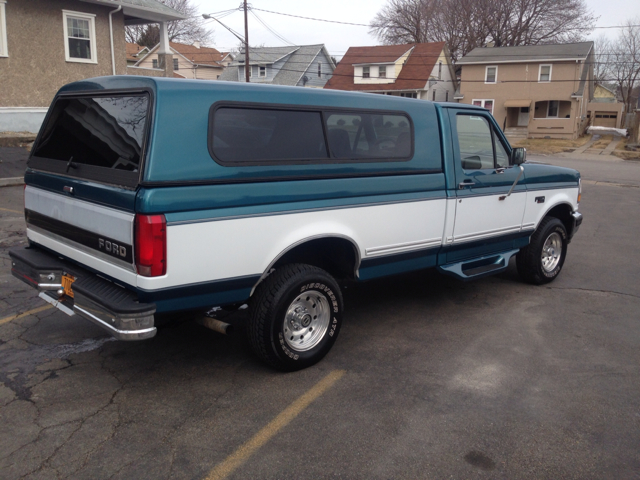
x=151 y=245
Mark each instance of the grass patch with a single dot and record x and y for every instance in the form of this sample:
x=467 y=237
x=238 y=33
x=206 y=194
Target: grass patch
x=602 y=142
x=548 y=146
x=621 y=152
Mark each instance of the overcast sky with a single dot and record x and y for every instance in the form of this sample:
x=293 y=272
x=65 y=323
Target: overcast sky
x=338 y=38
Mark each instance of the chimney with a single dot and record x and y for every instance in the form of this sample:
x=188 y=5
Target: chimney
x=196 y=44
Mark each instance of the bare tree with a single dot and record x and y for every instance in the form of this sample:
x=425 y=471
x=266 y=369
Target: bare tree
x=467 y=24
x=623 y=64
x=602 y=49
x=190 y=30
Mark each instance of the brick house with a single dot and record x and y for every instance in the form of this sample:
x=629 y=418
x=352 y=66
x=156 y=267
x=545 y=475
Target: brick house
x=533 y=91
x=45 y=44
x=420 y=70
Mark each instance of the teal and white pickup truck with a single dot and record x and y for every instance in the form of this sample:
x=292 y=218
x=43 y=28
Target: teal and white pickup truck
x=147 y=196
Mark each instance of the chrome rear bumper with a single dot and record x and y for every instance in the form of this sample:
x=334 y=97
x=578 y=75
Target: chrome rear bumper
x=110 y=306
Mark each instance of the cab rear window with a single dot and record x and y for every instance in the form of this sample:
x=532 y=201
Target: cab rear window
x=95 y=137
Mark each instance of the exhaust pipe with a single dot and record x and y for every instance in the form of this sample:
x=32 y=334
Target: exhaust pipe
x=216 y=325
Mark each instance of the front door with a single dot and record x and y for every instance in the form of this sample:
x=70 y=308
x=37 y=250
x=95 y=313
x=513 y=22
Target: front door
x=487 y=220
x=523 y=117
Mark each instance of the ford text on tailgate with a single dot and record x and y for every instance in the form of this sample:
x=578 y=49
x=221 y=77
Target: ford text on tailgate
x=146 y=197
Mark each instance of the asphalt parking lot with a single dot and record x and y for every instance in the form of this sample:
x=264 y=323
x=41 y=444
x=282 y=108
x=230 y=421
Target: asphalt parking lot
x=430 y=378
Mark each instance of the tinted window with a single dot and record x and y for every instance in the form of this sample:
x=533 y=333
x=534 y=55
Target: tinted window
x=105 y=132
x=255 y=135
x=365 y=135
x=474 y=139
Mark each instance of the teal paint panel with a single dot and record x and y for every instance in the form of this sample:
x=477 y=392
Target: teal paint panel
x=212 y=197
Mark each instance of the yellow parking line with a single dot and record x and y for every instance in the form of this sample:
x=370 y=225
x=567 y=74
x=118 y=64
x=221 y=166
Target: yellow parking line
x=238 y=457
x=12 y=211
x=20 y=315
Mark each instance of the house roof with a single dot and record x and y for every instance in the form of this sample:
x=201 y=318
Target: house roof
x=133 y=50
x=527 y=53
x=413 y=76
x=142 y=11
x=264 y=55
x=197 y=55
x=299 y=59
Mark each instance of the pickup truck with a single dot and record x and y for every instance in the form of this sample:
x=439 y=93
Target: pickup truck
x=153 y=196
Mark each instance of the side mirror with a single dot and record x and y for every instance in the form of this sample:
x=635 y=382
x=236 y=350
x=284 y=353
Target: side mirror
x=518 y=156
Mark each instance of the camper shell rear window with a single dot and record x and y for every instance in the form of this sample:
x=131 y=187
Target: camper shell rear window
x=95 y=137
x=262 y=134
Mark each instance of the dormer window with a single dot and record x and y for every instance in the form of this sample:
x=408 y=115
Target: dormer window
x=382 y=71
x=365 y=72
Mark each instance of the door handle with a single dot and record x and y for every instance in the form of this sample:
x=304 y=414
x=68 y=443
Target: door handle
x=466 y=183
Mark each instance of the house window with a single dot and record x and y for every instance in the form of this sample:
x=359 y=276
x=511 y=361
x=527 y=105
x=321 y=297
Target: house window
x=434 y=95
x=488 y=104
x=319 y=69
x=439 y=70
x=79 y=37
x=365 y=72
x=544 y=74
x=154 y=63
x=262 y=72
x=408 y=94
x=382 y=71
x=553 y=109
x=446 y=96
x=176 y=66
x=490 y=74
x=4 y=51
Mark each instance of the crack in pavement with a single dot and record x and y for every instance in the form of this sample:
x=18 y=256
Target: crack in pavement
x=593 y=290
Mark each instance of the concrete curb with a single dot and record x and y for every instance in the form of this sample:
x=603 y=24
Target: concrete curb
x=11 y=182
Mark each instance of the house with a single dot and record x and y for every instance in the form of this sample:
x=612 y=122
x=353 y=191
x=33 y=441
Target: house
x=535 y=91
x=134 y=53
x=604 y=110
x=47 y=44
x=415 y=70
x=301 y=65
x=190 y=61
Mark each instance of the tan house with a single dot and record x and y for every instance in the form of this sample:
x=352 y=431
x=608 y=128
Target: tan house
x=190 y=61
x=417 y=70
x=45 y=44
x=604 y=109
x=535 y=91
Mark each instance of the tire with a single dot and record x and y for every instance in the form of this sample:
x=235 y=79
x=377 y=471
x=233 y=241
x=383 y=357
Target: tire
x=541 y=261
x=295 y=317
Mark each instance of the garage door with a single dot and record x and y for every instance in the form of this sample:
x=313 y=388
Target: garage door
x=605 y=119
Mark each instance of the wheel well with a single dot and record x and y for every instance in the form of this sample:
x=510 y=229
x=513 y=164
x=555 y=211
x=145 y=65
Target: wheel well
x=563 y=213
x=337 y=256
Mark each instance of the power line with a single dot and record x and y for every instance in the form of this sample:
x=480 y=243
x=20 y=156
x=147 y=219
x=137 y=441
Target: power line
x=311 y=18
x=270 y=29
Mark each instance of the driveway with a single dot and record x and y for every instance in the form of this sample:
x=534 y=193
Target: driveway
x=430 y=378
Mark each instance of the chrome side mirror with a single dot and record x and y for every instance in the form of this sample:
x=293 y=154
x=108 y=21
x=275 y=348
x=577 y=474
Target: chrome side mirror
x=518 y=156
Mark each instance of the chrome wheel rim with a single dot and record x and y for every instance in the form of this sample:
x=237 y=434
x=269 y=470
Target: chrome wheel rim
x=306 y=321
x=551 y=252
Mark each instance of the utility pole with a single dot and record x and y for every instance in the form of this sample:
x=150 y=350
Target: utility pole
x=246 y=44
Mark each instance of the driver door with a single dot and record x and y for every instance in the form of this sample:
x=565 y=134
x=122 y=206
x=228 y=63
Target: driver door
x=486 y=218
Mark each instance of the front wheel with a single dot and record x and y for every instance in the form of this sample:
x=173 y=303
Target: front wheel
x=296 y=314
x=541 y=261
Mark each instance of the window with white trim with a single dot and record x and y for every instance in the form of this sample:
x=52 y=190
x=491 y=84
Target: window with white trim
x=79 y=37
x=382 y=71
x=176 y=65
x=491 y=74
x=262 y=72
x=154 y=63
x=319 y=69
x=544 y=74
x=4 y=51
x=365 y=72
x=488 y=104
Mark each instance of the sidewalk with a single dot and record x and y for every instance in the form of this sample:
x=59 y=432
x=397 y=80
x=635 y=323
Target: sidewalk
x=13 y=163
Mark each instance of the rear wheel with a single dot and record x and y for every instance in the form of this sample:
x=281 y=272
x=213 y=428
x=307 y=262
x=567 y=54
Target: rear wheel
x=541 y=261
x=295 y=317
